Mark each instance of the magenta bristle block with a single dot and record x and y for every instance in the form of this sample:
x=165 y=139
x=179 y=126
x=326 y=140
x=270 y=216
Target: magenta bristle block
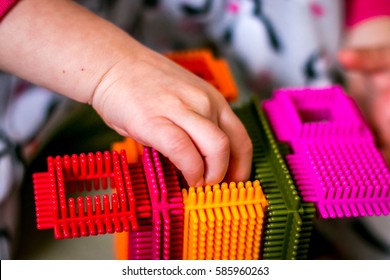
x=334 y=160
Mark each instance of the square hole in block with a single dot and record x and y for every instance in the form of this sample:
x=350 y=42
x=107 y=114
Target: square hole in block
x=309 y=115
x=91 y=184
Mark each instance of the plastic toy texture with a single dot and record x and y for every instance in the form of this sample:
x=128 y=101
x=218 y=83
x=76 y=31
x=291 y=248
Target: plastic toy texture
x=334 y=161
x=313 y=153
x=213 y=70
x=61 y=205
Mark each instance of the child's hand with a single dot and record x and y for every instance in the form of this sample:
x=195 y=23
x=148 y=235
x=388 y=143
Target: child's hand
x=159 y=104
x=141 y=94
x=366 y=59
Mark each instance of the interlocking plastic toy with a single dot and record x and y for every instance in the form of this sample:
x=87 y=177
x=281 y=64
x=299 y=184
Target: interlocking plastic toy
x=213 y=70
x=223 y=221
x=313 y=153
x=289 y=221
x=67 y=177
x=334 y=161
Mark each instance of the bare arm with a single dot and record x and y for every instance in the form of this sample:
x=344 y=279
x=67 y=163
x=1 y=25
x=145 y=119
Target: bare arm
x=61 y=46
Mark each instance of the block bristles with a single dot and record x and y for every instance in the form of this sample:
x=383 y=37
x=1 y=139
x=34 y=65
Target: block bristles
x=289 y=221
x=167 y=204
x=223 y=221
x=311 y=113
x=214 y=70
x=160 y=209
x=62 y=205
x=334 y=160
x=140 y=240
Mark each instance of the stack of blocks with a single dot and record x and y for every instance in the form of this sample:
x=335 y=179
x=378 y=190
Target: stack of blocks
x=313 y=153
x=168 y=221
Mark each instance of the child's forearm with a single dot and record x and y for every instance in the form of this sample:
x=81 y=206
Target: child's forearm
x=139 y=93
x=62 y=46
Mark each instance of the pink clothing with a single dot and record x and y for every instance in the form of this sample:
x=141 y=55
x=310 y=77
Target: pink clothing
x=5 y=6
x=360 y=10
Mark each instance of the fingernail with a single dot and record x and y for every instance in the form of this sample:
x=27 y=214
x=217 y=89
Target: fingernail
x=199 y=183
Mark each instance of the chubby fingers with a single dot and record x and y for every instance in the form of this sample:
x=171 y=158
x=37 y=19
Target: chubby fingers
x=194 y=144
x=220 y=138
x=205 y=149
x=241 y=149
x=226 y=149
x=174 y=143
x=369 y=60
x=211 y=142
